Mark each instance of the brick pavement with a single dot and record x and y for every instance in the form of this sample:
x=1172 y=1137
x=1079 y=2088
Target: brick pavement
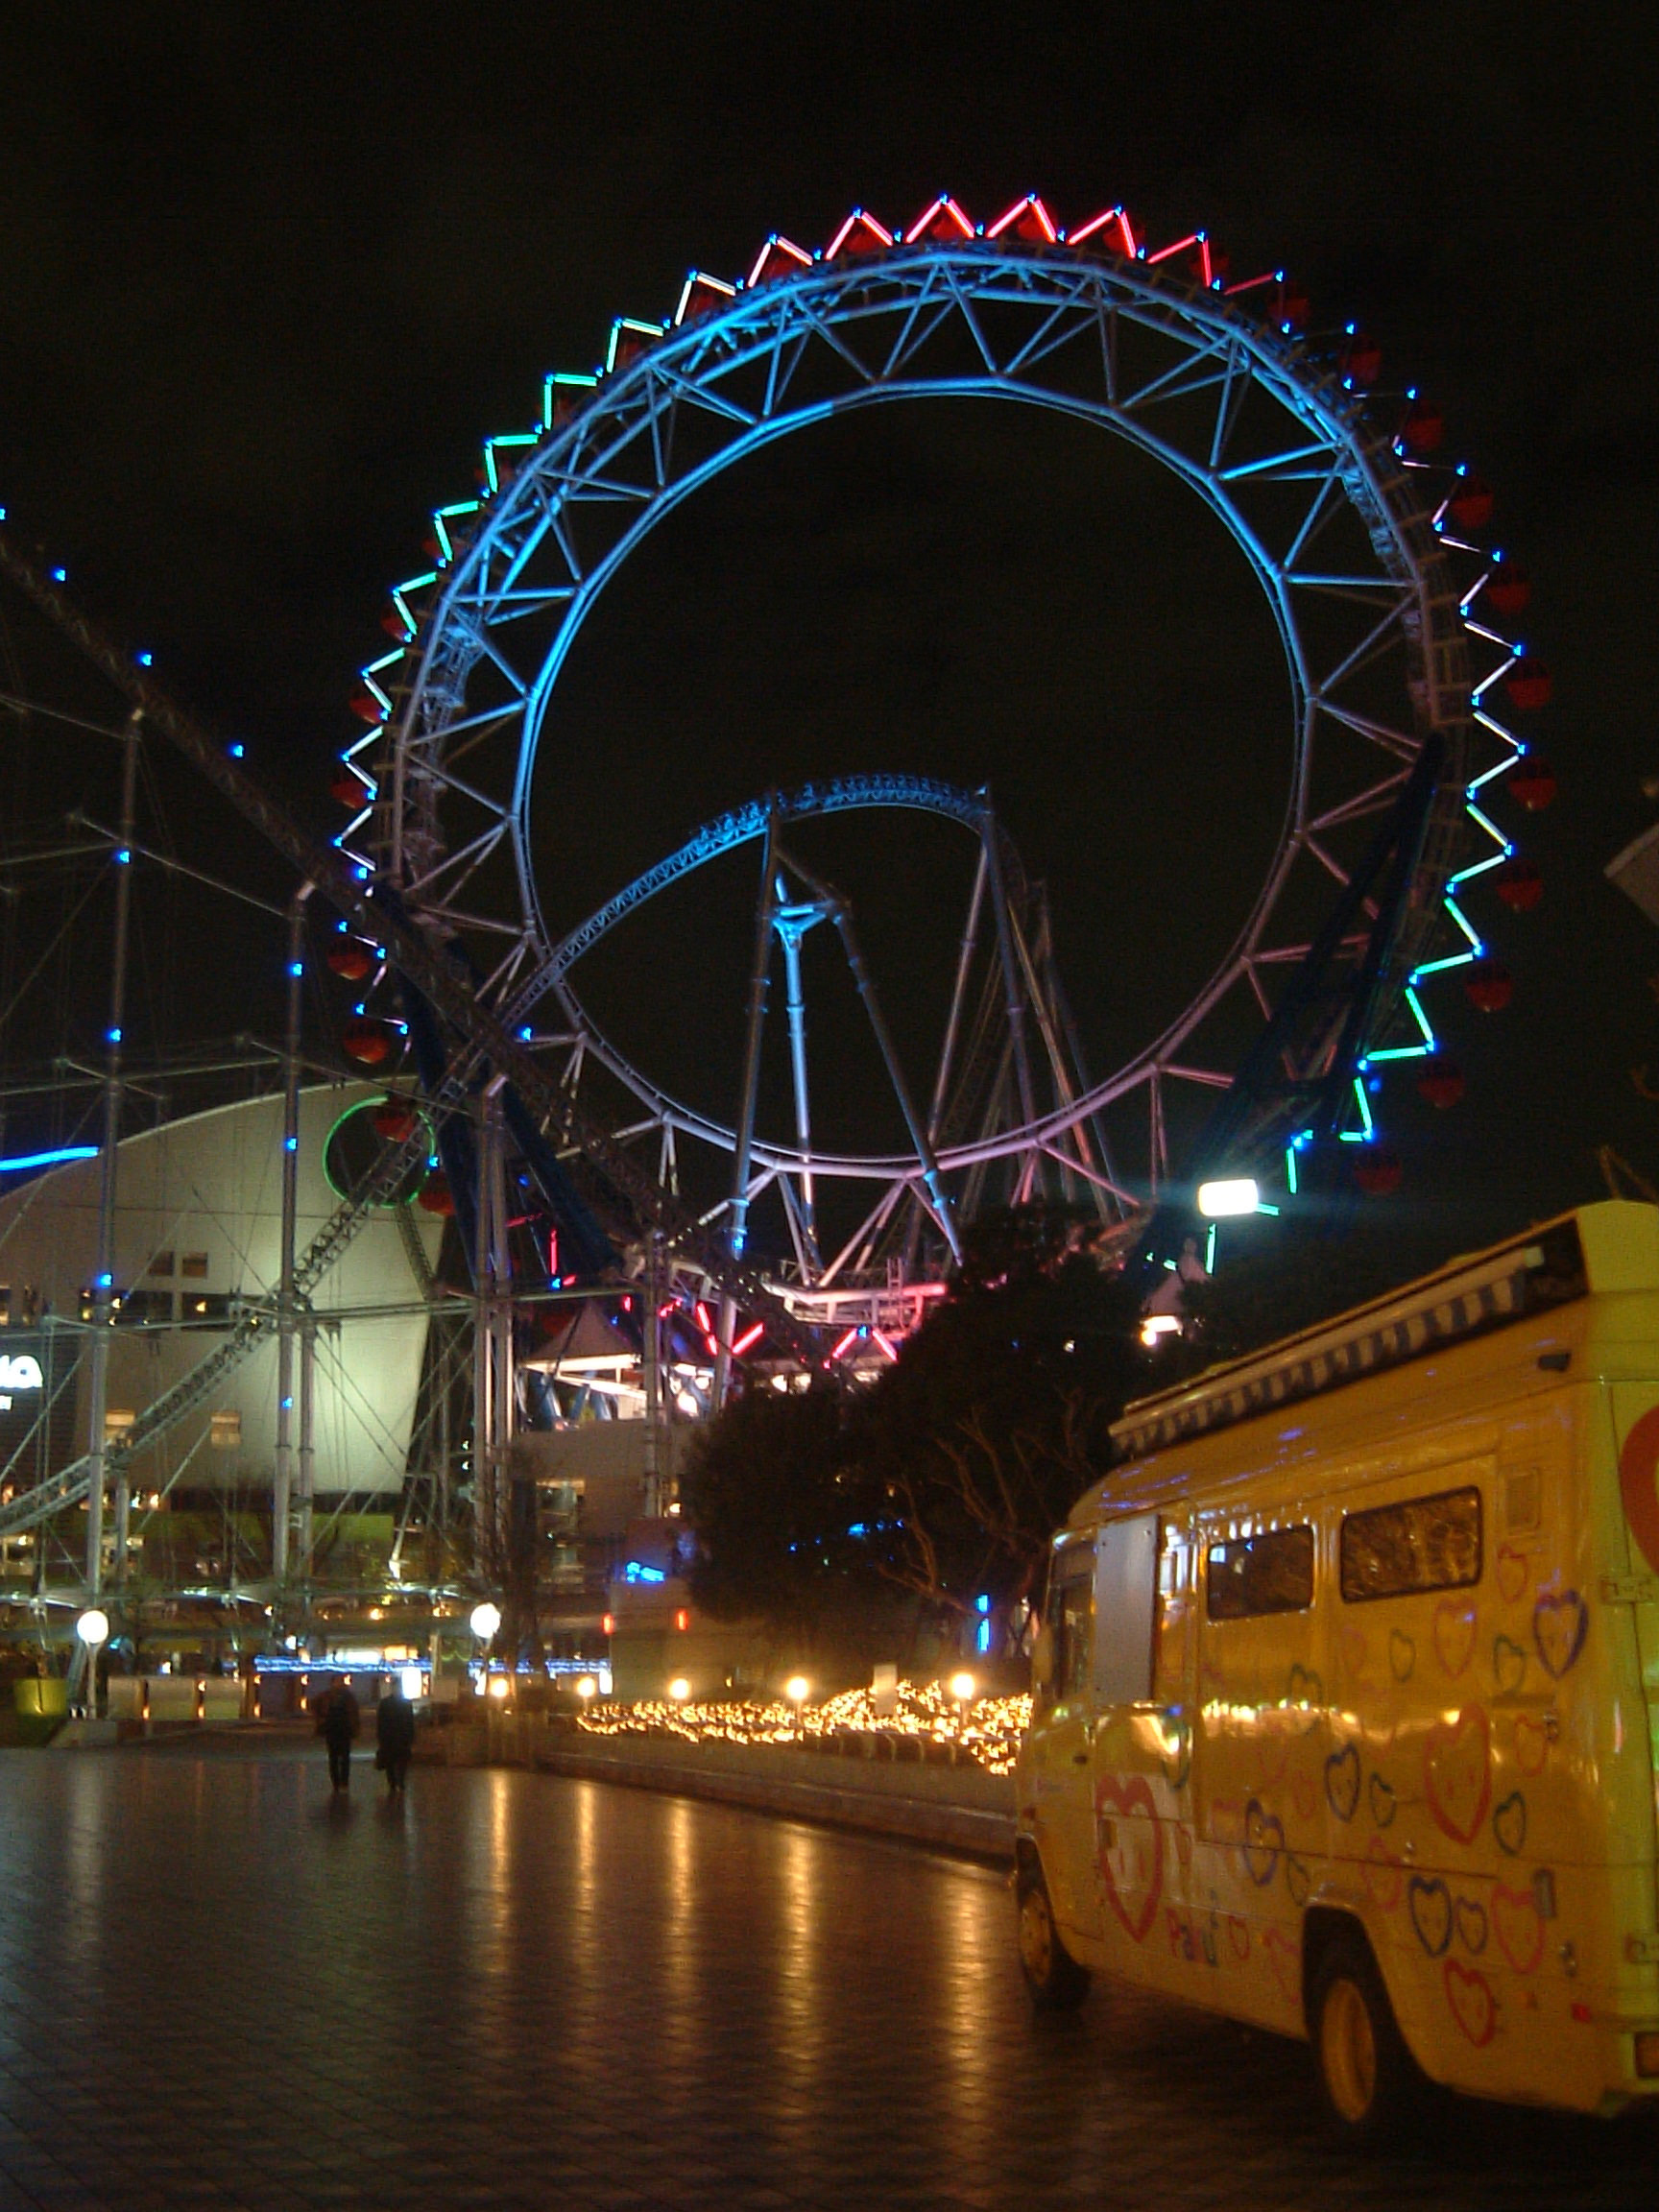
x=219 y=1988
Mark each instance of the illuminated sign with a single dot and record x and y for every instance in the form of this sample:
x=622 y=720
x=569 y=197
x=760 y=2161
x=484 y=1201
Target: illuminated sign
x=19 y=1372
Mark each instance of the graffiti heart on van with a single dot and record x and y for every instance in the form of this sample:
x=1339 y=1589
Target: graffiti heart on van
x=1264 y=1841
x=1560 y=1623
x=1514 y=1574
x=1342 y=1782
x=1135 y=1862
x=1471 y=1915
x=1305 y=1691
x=1518 y=1926
x=1428 y=1902
x=1455 y=1634
x=1638 y=1463
x=1457 y=1773
x=1509 y=1824
x=1508 y=1666
x=1383 y=1802
x=1532 y=1743
x=1473 y=2004
x=1383 y=1875
x=1402 y=1655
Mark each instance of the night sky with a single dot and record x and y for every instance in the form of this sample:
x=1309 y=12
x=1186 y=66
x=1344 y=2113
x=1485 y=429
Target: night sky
x=268 y=275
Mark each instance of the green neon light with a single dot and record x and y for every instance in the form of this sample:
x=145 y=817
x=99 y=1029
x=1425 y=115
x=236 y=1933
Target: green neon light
x=368 y=1106
x=1290 y=1170
x=1416 y=1006
x=1404 y=1052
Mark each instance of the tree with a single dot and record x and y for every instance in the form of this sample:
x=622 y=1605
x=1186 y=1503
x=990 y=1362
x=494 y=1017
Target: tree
x=995 y=1416
x=777 y=1509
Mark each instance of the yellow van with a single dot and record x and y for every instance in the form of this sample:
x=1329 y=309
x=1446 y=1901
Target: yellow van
x=1347 y=1696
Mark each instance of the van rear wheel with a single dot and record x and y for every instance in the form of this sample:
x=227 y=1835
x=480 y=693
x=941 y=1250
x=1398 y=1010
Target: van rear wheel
x=1367 y=2078
x=1056 y=1982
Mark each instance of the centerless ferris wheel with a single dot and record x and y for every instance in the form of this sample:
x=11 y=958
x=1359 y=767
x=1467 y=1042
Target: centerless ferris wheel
x=1395 y=630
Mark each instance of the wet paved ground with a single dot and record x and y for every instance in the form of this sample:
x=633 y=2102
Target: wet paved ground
x=220 y=1988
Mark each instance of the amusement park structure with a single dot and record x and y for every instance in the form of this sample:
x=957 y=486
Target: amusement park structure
x=1396 y=629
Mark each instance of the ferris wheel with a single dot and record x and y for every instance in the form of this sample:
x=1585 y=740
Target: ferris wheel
x=1395 y=627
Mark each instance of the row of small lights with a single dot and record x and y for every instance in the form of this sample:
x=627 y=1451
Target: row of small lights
x=952 y=1713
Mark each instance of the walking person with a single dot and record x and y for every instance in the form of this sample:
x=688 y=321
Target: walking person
x=338 y=1726
x=394 y=1728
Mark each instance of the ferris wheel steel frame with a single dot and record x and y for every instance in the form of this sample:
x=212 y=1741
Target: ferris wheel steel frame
x=1045 y=320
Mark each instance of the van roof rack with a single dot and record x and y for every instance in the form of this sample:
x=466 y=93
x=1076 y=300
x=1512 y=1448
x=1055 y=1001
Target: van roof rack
x=1488 y=1290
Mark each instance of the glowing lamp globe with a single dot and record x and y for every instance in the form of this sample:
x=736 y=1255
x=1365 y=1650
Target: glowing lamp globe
x=93 y=1628
x=797 y=1689
x=485 y=1621
x=679 y=1689
x=586 y=1686
x=962 y=1688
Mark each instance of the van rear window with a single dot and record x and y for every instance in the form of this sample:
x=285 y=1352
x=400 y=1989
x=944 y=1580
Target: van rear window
x=1270 y=1573
x=1421 y=1544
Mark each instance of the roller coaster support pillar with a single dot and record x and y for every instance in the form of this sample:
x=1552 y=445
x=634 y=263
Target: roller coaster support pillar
x=760 y=983
x=651 y=1360
x=103 y=1265
x=282 y=1481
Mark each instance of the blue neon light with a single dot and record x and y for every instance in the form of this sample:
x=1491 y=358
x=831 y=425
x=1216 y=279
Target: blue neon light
x=636 y=1571
x=48 y=1159
x=123 y=858
x=290 y=1143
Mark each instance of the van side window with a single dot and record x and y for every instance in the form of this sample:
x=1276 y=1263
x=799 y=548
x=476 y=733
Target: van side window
x=1071 y=1610
x=1421 y=1544
x=1269 y=1572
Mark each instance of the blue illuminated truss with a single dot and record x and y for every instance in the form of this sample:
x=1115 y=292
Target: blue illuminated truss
x=1212 y=379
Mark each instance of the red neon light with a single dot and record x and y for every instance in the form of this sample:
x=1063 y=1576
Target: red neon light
x=778 y=257
x=750 y=1335
x=861 y=234
x=1114 y=218
x=1196 y=247
x=714 y=1346
x=702 y=1321
x=608 y=1624
x=940 y=221
x=851 y=1337
x=683 y=1619
x=886 y=1343
x=1027 y=219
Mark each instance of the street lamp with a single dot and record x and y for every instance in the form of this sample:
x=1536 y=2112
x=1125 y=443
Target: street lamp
x=963 y=1687
x=484 y=1623
x=796 y=1689
x=1219 y=1201
x=679 y=1690
x=93 y=1630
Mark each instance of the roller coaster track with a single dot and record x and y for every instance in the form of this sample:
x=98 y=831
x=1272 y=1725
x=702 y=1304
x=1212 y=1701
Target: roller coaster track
x=614 y=1184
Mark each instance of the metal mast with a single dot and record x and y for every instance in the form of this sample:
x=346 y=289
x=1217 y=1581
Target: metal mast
x=104 y=1265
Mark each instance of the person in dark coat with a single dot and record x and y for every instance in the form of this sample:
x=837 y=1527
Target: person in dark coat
x=338 y=1725
x=394 y=1728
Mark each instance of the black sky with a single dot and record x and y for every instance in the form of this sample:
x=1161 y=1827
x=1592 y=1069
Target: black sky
x=268 y=275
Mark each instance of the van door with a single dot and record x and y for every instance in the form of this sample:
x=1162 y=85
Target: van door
x=1058 y=1746
x=1131 y=1839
